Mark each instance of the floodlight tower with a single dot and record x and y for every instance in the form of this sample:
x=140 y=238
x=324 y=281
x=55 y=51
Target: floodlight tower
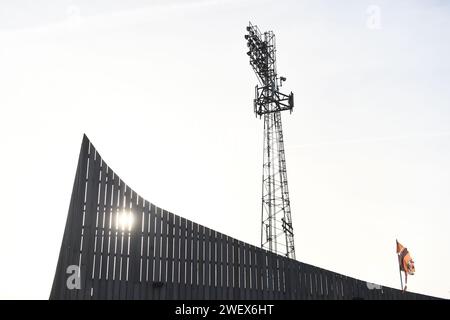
x=277 y=234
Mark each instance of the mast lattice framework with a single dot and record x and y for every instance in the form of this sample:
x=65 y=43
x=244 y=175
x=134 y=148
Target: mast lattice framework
x=277 y=234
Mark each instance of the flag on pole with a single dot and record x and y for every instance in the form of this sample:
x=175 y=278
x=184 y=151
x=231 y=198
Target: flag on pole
x=405 y=262
x=404 y=258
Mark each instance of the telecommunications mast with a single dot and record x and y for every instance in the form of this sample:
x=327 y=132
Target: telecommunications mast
x=277 y=234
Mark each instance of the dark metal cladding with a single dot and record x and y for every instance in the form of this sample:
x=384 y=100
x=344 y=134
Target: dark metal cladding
x=163 y=256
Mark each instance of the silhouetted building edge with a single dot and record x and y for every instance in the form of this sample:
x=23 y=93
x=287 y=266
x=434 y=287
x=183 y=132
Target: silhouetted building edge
x=117 y=245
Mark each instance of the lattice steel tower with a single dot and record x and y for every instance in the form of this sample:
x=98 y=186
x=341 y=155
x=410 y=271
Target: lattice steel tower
x=277 y=234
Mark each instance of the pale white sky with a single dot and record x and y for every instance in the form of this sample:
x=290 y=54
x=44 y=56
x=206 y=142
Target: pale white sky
x=164 y=91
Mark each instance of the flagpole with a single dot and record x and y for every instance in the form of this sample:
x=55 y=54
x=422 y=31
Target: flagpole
x=401 y=279
x=399 y=266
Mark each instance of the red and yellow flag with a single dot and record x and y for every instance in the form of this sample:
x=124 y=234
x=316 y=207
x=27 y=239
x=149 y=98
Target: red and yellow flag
x=405 y=261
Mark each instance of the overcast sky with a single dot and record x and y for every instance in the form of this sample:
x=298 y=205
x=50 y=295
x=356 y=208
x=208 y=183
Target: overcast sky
x=164 y=91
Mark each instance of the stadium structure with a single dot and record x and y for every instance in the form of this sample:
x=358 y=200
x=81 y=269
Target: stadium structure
x=121 y=246
x=117 y=245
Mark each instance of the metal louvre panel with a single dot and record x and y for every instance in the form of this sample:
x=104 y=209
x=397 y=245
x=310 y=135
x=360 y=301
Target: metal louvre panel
x=164 y=256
